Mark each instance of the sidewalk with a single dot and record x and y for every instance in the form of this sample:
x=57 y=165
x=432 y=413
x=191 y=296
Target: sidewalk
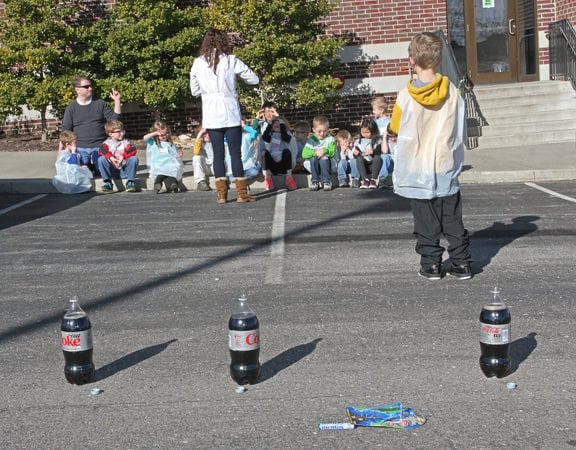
x=32 y=172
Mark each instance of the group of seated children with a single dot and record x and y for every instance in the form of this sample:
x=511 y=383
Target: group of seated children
x=269 y=147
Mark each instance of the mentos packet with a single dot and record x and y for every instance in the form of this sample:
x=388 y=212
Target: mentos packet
x=393 y=415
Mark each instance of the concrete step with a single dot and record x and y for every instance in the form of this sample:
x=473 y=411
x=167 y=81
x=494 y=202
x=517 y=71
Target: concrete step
x=521 y=114
x=567 y=136
x=551 y=127
x=502 y=91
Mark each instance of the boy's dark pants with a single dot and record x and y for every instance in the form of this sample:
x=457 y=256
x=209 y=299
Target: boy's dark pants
x=437 y=217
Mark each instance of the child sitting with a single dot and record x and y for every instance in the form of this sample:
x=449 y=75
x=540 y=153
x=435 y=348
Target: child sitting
x=301 y=133
x=320 y=148
x=367 y=151
x=70 y=178
x=202 y=160
x=379 y=111
x=278 y=149
x=118 y=158
x=163 y=158
x=346 y=161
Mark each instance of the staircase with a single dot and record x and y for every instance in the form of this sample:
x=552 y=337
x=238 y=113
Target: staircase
x=527 y=114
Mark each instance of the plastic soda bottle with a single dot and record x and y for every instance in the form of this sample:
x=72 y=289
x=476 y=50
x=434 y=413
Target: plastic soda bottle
x=244 y=343
x=77 y=345
x=495 y=321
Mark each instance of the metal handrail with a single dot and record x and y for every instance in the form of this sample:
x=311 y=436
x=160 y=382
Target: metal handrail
x=562 y=51
x=474 y=118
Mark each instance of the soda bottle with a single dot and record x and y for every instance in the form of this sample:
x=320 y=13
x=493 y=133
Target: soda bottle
x=495 y=338
x=244 y=343
x=77 y=345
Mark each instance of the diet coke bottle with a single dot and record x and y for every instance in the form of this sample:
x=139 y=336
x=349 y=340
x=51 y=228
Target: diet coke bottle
x=77 y=345
x=495 y=338
x=244 y=343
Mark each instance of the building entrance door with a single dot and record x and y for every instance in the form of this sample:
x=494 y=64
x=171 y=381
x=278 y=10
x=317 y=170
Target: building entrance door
x=499 y=37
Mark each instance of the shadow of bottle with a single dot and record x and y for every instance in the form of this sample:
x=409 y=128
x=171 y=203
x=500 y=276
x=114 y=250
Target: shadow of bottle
x=129 y=360
x=520 y=349
x=286 y=359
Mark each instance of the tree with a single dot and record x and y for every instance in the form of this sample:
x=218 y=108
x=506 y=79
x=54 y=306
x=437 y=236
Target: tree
x=148 y=51
x=37 y=56
x=284 y=41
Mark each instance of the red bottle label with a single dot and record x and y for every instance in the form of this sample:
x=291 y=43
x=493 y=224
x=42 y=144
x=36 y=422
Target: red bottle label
x=243 y=340
x=77 y=341
x=494 y=334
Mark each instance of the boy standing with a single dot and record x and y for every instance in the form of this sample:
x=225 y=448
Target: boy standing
x=429 y=119
x=320 y=148
x=119 y=158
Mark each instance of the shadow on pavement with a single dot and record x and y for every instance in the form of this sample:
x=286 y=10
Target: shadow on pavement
x=520 y=349
x=19 y=215
x=485 y=244
x=129 y=360
x=286 y=359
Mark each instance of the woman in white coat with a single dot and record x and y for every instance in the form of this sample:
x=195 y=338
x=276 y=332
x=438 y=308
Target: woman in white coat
x=213 y=77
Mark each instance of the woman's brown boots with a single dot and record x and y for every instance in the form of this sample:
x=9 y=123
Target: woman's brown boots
x=222 y=190
x=242 y=191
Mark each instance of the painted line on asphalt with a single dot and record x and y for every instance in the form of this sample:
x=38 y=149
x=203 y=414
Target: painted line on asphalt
x=553 y=193
x=25 y=202
x=274 y=271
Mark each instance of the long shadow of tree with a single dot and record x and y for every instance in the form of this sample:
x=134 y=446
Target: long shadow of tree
x=130 y=360
x=286 y=359
x=487 y=243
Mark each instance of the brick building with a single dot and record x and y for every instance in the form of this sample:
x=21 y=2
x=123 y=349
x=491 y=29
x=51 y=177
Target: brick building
x=494 y=41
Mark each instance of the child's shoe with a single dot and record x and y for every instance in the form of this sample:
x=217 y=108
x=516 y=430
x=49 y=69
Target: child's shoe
x=372 y=184
x=343 y=183
x=268 y=184
x=291 y=183
x=107 y=187
x=131 y=186
x=355 y=183
x=431 y=272
x=365 y=184
x=327 y=186
x=173 y=188
x=315 y=186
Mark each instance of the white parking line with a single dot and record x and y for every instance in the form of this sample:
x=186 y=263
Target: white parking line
x=548 y=191
x=25 y=202
x=274 y=271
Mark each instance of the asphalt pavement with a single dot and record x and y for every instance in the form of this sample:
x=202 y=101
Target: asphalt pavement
x=344 y=320
x=31 y=172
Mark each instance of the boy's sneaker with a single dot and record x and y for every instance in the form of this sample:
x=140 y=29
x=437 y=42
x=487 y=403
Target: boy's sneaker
x=268 y=184
x=355 y=183
x=107 y=187
x=372 y=184
x=433 y=272
x=173 y=188
x=343 y=183
x=203 y=186
x=365 y=184
x=315 y=186
x=327 y=186
x=157 y=187
x=291 y=183
x=131 y=186
x=460 y=271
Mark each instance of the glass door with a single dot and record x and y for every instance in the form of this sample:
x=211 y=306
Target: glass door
x=494 y=40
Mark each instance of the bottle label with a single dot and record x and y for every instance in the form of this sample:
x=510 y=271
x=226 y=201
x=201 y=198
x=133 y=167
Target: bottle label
x=494 y=334
x=244 y=341
x=77 y=341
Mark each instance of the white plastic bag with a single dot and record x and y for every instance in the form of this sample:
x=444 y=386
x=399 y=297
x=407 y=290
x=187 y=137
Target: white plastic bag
x=71 y=178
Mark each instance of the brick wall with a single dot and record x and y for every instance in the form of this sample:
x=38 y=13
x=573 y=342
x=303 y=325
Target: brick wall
x=566 y=9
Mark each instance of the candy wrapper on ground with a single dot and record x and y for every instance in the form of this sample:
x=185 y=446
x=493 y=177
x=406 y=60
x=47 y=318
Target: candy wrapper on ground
x=393 y=415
